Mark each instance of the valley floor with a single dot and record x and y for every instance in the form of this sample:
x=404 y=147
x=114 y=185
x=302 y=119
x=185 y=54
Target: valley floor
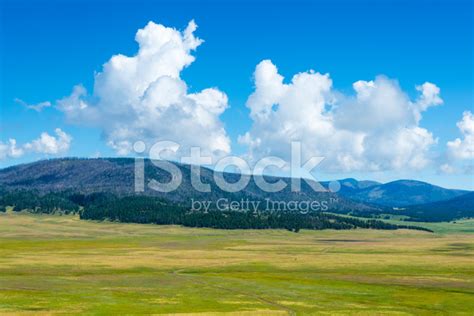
x=59 y=264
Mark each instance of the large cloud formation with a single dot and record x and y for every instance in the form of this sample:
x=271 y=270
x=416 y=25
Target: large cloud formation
x=45 y=144
x=376 y=129
x=143 y=97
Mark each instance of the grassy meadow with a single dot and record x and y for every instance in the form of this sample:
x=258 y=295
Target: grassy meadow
x=61 y=265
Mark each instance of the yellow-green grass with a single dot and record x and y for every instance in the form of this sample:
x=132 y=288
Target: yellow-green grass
x=59 y=264
x=459 y=226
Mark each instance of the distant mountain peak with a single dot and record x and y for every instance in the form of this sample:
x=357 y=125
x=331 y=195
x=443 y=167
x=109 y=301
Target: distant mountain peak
x=404 y=192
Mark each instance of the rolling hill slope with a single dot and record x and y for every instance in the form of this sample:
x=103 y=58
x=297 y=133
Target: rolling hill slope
x=402 y=193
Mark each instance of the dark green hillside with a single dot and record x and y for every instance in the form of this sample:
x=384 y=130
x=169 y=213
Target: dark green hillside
x=459 y=207
x=143 y=209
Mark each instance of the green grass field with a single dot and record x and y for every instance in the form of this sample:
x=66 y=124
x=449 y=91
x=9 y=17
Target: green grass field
x=59 y=264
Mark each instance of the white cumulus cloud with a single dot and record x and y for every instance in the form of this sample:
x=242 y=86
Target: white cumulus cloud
x=142 y=97
x=463 y=148
x=45 y=144
x=51 y=145
x=10 y=149
x=376 y=129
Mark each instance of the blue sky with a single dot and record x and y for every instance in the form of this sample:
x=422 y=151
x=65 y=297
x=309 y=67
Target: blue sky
x=48 y=47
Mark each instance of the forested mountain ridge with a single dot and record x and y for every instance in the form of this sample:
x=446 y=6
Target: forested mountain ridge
x=116 y=176
x=71 y=183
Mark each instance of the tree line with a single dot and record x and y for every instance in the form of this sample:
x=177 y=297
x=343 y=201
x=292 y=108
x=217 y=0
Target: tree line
x=153 y=210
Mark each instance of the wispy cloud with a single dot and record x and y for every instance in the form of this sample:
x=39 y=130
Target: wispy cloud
x=37 y=107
